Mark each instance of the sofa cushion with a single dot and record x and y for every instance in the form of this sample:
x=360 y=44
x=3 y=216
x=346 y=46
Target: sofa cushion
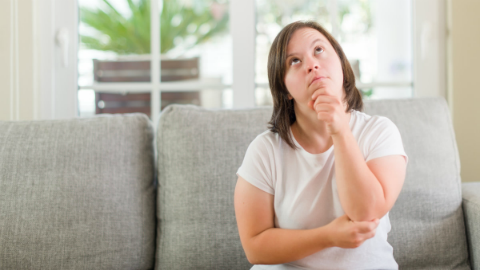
x=199 y=152
x=77 y=194
x=428 y=230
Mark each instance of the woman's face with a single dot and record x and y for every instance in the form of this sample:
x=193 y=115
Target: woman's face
x=312 y=64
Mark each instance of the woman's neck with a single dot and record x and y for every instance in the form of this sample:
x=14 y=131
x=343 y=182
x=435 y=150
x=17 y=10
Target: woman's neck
x=311 y=133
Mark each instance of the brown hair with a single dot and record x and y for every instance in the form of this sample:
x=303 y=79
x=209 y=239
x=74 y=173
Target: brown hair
x=283 y=115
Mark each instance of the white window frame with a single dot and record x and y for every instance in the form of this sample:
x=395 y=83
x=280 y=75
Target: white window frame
x=429 y=78
x=57 y=83
x=429 y=48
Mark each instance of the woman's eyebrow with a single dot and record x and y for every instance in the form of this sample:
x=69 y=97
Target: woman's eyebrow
x=315 y=41
x=318 y=40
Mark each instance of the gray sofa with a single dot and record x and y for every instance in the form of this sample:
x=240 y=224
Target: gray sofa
x=83 y=194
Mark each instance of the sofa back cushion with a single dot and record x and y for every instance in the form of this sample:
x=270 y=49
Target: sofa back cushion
x=199 y=152
x=77 y=194
x=428 y=230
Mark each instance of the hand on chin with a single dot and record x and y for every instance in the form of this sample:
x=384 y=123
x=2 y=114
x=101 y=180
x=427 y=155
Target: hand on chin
x=330 y=110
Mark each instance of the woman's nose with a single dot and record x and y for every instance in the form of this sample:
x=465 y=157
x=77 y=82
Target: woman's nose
x=312 y=64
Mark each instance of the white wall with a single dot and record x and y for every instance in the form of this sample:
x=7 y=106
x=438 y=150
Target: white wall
x=464 y=83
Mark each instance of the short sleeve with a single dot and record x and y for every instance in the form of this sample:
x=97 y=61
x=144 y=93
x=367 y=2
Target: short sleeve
x=384 y=140
x=257 y=166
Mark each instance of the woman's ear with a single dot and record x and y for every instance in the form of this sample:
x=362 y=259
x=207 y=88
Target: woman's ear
x=289 y=96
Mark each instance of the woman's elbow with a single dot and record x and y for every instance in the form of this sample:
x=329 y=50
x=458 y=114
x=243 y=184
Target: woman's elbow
x=254 y=254
x=253 y=257
x=252 y=260
x=250 y=252
x=368 y=214
x=362 y=216
x=257 y=259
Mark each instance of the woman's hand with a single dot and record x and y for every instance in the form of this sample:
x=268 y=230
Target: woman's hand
x=346 y=233
x=330 y=110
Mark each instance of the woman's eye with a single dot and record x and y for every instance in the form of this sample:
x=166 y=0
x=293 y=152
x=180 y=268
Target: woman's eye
x=294 y=61
x=318 y=50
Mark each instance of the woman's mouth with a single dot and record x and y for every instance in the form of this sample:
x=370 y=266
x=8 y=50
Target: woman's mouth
x=316 y=79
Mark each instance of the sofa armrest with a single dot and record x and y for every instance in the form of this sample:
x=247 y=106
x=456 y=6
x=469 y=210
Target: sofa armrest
x=471 y=211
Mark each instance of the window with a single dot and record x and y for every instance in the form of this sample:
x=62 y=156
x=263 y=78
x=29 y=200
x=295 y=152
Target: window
x=376 y=36
x=229 y=69
x=194 y=49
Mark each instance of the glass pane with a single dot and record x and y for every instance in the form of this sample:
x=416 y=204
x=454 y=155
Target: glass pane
x=197 y=43
x=387 y=92
x=122 y=103
x=273 y=15
x=92 y=102
x=115 y=47
x=109 y=30
x=86 y=102
x=263 y=96
x=207 y=98
x=376 y=35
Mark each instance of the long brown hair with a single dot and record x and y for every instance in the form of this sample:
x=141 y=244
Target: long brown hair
x=283 y=109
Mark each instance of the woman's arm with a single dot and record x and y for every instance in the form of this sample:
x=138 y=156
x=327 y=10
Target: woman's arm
x=265 y=244
x=366 y=190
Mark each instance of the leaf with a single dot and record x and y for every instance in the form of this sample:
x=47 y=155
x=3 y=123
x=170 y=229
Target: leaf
x=132 y=35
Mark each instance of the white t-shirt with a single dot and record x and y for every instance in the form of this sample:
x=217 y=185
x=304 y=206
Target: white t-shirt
x=305 y=191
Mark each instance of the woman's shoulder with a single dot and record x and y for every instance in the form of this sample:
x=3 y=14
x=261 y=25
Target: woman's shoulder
x=368 y=129
x=263 y=147
x=266 y=139
x=363 y=120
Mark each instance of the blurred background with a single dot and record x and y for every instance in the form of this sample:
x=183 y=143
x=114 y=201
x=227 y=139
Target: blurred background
x=196 y=46
x=78 y=58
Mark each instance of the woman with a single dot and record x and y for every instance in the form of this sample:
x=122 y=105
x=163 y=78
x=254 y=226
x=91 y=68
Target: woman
x=314 y=191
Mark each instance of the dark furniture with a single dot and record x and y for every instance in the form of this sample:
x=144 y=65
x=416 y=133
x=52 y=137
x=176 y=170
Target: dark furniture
x=139 y=71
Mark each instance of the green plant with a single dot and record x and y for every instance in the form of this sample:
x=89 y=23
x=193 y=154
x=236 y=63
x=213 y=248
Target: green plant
x=189 y=25
x=282 y=12
x=366 y=93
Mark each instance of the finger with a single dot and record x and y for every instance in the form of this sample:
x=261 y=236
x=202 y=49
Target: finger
x=311 y=103
x=371 y=234
x=366 y=226
x=320 y=91
x=325 y=117
x=319 y=102
x=324 y=99
x=375 y=223
x=322 y=107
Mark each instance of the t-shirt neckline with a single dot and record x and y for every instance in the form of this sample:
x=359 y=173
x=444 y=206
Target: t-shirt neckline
x=327 y=152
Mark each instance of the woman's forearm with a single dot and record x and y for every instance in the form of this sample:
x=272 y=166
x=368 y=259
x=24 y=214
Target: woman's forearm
x=276 y=246
x=361 y=194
